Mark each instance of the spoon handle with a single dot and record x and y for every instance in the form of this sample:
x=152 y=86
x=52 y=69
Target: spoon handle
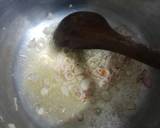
x=131 y=49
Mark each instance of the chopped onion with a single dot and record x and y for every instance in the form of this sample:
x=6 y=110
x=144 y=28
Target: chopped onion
x=40 y=111
x=85 y=84
x=65 y=91
x=102 y=83
x=69 y=75
x=44 y=91
x=63 y=110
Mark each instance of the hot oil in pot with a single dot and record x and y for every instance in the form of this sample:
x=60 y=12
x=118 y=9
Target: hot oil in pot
x=92 y=88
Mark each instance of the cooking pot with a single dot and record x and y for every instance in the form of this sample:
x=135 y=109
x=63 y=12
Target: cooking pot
x=18 y=16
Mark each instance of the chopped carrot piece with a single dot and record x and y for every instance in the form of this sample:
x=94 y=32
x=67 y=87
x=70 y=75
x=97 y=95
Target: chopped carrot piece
x=103 y=72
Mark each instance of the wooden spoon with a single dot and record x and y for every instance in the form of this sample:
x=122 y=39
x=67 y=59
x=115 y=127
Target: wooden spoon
x=89 y=30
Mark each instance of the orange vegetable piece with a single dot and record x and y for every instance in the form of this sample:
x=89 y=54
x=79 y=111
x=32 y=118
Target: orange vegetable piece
x=103 y=72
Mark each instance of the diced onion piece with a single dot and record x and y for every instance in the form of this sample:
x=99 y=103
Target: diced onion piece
x=78 y=71
x=32 y=77
x=44 y=91
x=46 y=31
x=65 y=91
x=80 y=77
x=85 y=84
x=40 y=111
x=63 y=110
x=69 y=75
x=92 y=62
x=102 y=83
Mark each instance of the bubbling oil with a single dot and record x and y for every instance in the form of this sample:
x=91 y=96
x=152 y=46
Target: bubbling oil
x=61 y=85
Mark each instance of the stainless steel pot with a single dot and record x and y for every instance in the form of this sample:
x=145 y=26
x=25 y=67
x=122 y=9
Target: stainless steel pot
x=17 y=16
